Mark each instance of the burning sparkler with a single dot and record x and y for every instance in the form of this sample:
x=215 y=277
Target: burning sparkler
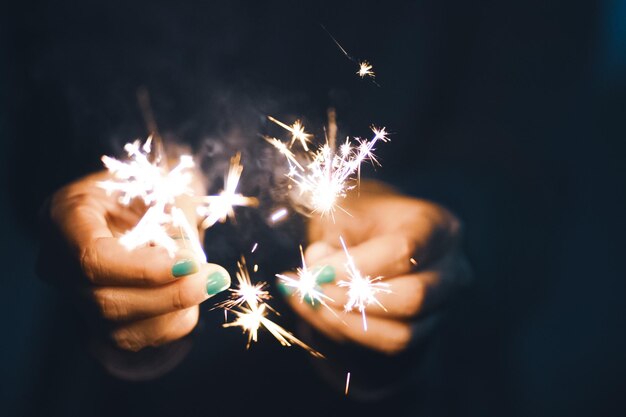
x=329 y=175
x=365 y=68
x=246 y=293
x=361 y=290
x=248 y=304
x=297 y=132
x=219 y=207
x=149 y=180
x=306 y=284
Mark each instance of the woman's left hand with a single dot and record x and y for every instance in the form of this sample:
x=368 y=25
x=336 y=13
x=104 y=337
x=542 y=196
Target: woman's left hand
x=412 y=244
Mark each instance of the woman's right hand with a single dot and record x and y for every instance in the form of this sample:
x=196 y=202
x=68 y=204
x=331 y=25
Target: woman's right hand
x=147 y=297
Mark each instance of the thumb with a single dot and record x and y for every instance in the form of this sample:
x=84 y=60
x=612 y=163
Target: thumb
x=317 y=251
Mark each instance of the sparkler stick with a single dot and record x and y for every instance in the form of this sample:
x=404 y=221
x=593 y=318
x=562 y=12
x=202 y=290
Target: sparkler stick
x=219 y=207
x=248 y=304
x=329 y=175
x=361 y=290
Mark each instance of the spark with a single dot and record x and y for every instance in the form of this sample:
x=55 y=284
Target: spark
x=140 y=178
x=329 y=175
x=284 y=150
x=245 y=293
x=219 y=207
x=248 y=304
x=347 y=383
x=250 y=320
x=365 y=70
x=256 y=245
x=297 y=132
x=306 y=284
x=413 y=261
x=362 y=290
x=278 y=215
x=144 y=177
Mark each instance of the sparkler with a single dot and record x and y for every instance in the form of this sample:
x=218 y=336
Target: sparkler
x=219 y=207
x=306 y=284
x=297 y=132
x=329 y=175
x=248 y=304
x=245 y=293
x=365 y=68
x=362 y=290
x=158 y=188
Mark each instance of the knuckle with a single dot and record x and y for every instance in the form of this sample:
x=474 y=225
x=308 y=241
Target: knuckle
x=110 y=306
x=405 y=247
x=128 y=339
x=398 y=341
x=184 y=295
x=180 y=327
x=414 y=300
x=89 y=262
x=188 y=322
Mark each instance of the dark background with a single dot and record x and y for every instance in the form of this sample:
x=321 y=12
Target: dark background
x=511 y=114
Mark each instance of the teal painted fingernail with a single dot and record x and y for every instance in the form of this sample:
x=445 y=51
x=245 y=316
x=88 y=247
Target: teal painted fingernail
x=217 y=282
x=284 y=289
x=315 y=304
x=184 y=267
x=326 y=274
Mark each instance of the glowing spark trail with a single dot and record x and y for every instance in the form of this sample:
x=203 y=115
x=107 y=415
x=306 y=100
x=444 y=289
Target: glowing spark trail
x=361 y=290
x=347 y=383
x=157 y=188
x=365 y=68
x=297 y=132
x=248 y=305
x=278 y=214
x=219 y=207
x=245 y=293
x=329 y=175
x=306 y=284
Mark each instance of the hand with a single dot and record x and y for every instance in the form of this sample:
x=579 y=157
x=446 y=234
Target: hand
x=147 y=297
x=412 y=244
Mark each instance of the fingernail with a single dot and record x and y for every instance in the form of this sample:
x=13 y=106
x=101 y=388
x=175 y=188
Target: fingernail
x=315 y=304
x=284 y=289
x=217 y=282
x=325 y=274
x=184 y=267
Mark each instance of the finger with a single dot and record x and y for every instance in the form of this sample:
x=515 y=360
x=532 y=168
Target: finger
x=106 y=262
x=413 y=294
x=383 y=335
x=432 y=229
x=156 y=331
x=404 y=300
x=132 y=303
x=386 y=256
x=319 y=250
